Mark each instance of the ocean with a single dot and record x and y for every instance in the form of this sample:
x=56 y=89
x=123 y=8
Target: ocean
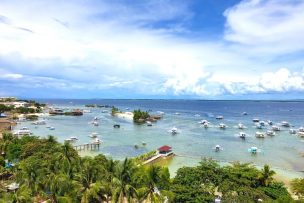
x=282 y=151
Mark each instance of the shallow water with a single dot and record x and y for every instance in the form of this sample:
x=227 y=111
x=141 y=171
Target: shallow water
x=193 y=142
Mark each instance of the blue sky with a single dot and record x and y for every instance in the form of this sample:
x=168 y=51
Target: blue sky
x=200 y=49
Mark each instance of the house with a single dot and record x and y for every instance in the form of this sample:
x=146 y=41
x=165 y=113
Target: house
x=165 y=150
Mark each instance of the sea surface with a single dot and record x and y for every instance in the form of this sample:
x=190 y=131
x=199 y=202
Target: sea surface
x=282 y=151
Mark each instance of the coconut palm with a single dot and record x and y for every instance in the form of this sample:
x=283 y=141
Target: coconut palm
x=122 y=182
x=57 y=186
x=67 y=159
x=266 y=175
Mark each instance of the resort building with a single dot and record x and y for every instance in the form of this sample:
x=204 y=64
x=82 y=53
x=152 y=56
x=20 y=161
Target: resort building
x=165 y=150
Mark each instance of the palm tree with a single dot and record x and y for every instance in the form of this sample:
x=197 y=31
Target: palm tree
x=57 y=185
x=67 y=159
x=266 y=175
x=122 y=182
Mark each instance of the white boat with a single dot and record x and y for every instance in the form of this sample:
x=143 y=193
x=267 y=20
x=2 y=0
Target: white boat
x=96 y=118
x=222 y=126
x=242 y=135
x=42 y=122
x=293 y=131
x=206 y=125
x=270 y=132
x=259 y=135
x=241 y=126
x=68 y=140
x=160 y=112
x=95 y=123
x=177 y=113
x=73 y=138
x=219 y=117
x=256 y=120
x=269 y=122
x=285 y=124
x=104 y=111
x=276 y=128
x=218 y=148
x=301 y=134
x=149 y=123
x=23 y=131
x=51 y=128
x=174 y=130
x=301 y=129
x=259 y=126
x=93 y=135
x=197 y=115
x=203 y=122
x=245 y=113
x=86 y=111
x=96 y=141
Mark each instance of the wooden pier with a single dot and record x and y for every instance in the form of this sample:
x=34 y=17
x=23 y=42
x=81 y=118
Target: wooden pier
x=87 y=146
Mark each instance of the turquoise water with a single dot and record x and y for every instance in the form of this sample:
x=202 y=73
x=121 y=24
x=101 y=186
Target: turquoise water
x=282 y=151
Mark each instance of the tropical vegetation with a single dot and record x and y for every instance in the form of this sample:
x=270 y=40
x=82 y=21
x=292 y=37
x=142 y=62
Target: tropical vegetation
x=47 y=170
x=140 y=116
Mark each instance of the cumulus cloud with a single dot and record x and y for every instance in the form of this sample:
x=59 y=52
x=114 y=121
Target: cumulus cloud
x=96 y=46
x=274 y=25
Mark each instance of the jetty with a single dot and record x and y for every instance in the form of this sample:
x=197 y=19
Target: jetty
x=87 y=146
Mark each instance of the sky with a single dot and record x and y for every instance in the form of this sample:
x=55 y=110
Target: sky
x=168 y=49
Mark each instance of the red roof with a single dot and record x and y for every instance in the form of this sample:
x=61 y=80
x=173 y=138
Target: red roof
x=165 y=148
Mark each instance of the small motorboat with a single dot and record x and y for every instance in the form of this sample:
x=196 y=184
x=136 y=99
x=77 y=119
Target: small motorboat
x=197 y=115
x=206 y=125
x=292 y=131
x=136 y=146
x=301 y=134
x=222 y=126
x=116 y=126
x=96 y=141
x=270 y=133
x=203 y=122
x=143 y=143
x=269 y=122
x=218 y=148
x=262 y=123
x=253 y=150
x=95 y=123
x=86 y=111
x=242 y=135
x=259 y=135
x=245 y=113
x=259 y=126
x=256 y=120
x=104 y=111
x=42 y=122
x=219 y=117
x=73 y=138
x=149 y=123
x=241 y=126
x=285 y=124
x=96 y=118
x=51 y=128
x=93 y=135
x=301 y=129
x=276 y=128
x=174 y=131
x=177 y=113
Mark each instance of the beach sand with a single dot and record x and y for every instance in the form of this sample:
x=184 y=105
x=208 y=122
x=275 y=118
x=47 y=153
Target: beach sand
x=125 y=115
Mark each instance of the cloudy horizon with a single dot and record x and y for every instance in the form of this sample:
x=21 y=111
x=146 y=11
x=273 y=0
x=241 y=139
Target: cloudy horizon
x=228 y=49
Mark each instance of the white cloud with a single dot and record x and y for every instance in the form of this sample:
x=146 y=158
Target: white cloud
x=95 y=45
x=268 y=25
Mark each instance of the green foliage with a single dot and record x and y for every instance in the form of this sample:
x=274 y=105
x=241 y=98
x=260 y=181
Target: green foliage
x=297 y=186
x=31 y=117
x=4 y=108
x=140 y=116
x=114 y=110
x=48 y=170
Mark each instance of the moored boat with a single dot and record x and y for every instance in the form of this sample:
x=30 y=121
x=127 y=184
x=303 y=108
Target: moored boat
x=285 y=124
x=222 y=126
x=259 y=135
x=270 y=133
x=242 y=135
x=276 y=128
x=293 y=131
